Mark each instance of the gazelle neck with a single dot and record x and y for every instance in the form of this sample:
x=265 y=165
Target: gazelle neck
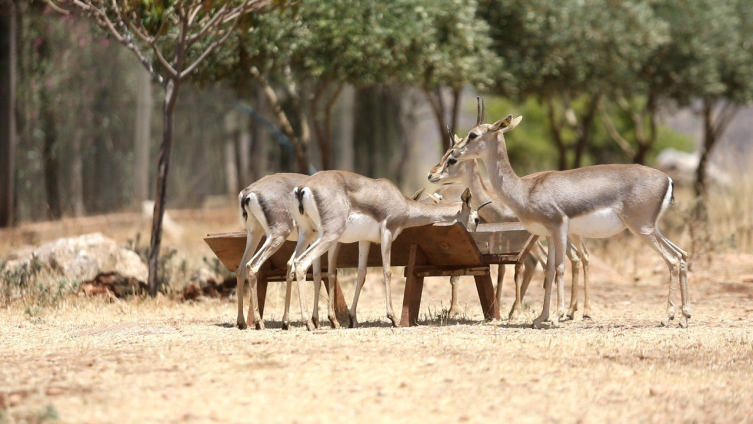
x=481 y=191
x=429 y=213
x=505 y=182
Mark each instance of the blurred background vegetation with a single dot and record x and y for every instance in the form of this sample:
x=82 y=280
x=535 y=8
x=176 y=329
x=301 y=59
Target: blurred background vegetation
x=368 y=86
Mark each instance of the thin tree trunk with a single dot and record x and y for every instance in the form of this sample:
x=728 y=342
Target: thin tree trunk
x=438 y=109
x=259 y=146
x=163 y=163
x=584 y=132
x=457 y=97
x=77 y=175
x=231 y=169
x=244 y=151
x=344 y=152
x=7 y=111
x=555 y=129
x=50 y=155
x=326 y=145
x=142 y=136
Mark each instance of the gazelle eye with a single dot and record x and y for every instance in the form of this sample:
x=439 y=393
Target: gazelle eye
x=452 y=161
x=476 y=220
x=471 y=136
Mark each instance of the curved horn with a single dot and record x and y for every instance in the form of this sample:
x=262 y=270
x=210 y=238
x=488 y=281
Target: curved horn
x=449 y=134
x=482 y=205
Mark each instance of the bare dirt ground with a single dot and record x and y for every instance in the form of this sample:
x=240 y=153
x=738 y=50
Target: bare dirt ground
x=157 y=360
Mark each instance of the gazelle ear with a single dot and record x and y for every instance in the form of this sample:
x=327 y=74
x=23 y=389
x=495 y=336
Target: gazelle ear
x=457 y=139
x=506 y=124
x=417 y=195
x=466 y=197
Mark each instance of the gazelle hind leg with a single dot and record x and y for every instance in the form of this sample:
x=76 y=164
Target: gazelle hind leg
x=363 y=258
x=673 y=259
x=500 y=277
x=585 y=258
x=302 y=265
x=304 y=239
x=271 y=245
x=574 y=256
x=387 y=272
x=683 y=277
x=555 y=268
x=252 y=240
x=523 y=280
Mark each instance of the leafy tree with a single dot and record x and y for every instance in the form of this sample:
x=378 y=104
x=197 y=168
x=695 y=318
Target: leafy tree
x=566 y=53
x=171 y=38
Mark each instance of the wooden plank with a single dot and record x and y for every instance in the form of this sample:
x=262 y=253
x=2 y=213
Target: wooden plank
x=447 y=270
x=501 y=259
x=414 y=286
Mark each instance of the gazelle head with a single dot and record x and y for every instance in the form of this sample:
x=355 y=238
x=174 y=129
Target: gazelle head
x=473 y=218
x=465 y=208
x=483 y=136
x=449 y=169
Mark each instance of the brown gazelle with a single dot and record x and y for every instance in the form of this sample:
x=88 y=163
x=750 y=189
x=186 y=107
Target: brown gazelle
x=265 y=211
x=468 y=174
x=593 y=202
x=343 y=207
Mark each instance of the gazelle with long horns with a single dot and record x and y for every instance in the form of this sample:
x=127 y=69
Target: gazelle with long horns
x=343 y=207
x=594 y=202
x=468 y=174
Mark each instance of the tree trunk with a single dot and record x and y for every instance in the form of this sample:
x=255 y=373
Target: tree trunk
x=555 y=129
x=142 y=137
x=457 y=96
x=245 y=174
x=584 y=132
x=77 y=175
x=50 y=154
x=259 y=146
x=231 y=169
x=7 y=111
x=344 y=153
x=163 y=163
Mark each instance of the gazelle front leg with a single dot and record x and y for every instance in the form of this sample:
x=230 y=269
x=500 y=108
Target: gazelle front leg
x=304 y=238
x=500 y=278
x=555 y=268
x=585 y=257
x=270 y=246
x=252 y=240
x=363 y=259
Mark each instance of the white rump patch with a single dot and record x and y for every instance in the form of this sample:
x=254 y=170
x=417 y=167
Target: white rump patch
x=600 y=223
x=361 y=227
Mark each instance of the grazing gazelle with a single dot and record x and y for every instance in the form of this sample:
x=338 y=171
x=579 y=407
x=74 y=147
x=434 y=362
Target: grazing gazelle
x=593 y=202
x=468 y=174
x=265 y=211
x=343 y=207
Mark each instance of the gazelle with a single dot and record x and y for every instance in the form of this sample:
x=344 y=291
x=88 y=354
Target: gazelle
x=468 y=174
x=343 y=207
x=265 y=211
x=593 y=202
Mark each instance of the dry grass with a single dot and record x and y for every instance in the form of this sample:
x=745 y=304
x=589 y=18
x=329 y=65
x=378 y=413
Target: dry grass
x=77 y=360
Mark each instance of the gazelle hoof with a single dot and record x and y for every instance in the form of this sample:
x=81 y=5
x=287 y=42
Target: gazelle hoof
x=684 y=322
x=260 y=325
x=286 y=326
x=316 y=323
x=536 y=325
x=586 y=317
x=310 y=326
x=665 y=322
x=241 y=325
x=353 y=322
x=335 y=323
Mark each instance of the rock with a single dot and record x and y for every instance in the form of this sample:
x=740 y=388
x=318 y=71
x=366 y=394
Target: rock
x=657 y=390
x=204 y=282
x=86 y=258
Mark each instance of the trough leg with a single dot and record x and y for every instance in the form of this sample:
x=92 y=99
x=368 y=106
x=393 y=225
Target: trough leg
x=486 y=296
x=414 y=286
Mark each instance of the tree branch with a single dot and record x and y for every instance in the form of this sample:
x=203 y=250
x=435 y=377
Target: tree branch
x=613 y=133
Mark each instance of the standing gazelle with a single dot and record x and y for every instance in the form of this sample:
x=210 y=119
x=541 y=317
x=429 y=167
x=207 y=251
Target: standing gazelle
x=343 y=207
x=593 y=202
x=265 y=211
x=468 y=174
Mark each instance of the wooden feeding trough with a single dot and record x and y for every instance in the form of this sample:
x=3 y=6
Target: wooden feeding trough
x=441 y=249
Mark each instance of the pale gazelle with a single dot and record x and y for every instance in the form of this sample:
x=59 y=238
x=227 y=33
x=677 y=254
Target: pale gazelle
x=343 y=207
x=593 y=202
x=468 y=174
x=265 y=211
